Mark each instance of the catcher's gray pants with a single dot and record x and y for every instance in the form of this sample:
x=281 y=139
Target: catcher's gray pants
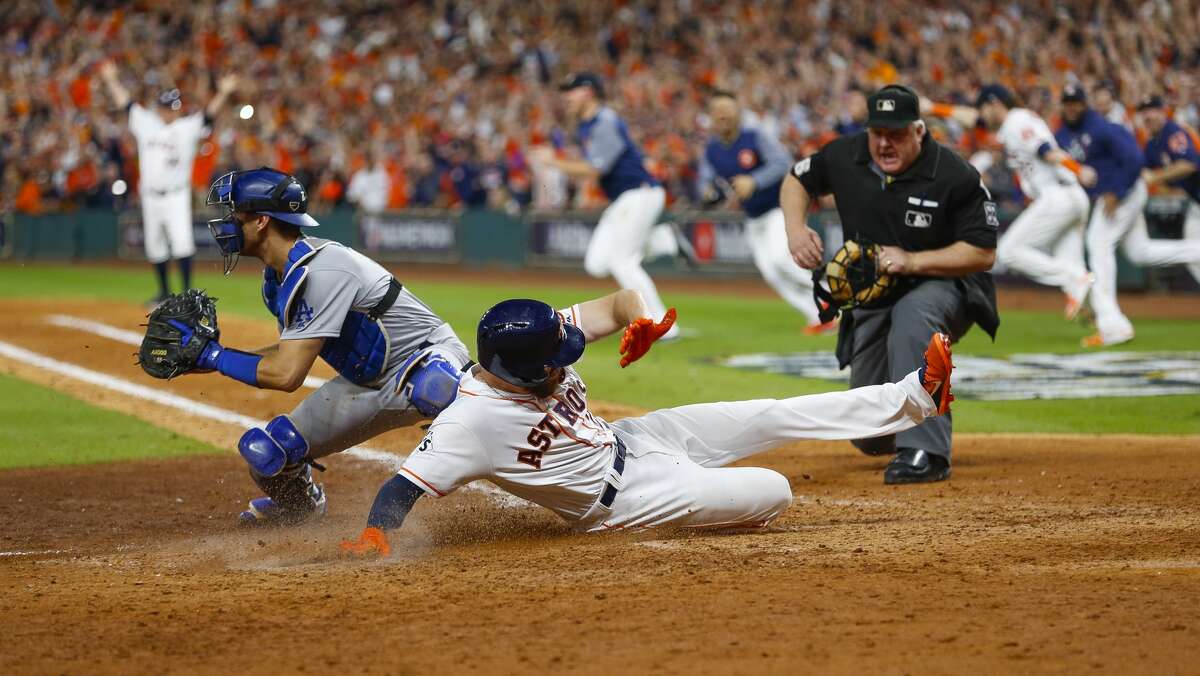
x=341 y=414
x=890 y=342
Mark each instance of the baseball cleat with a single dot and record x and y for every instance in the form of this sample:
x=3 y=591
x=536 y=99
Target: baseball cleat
x=830 y=326
x=266 y=512
x=915 y=466
x=1100 y=340
x=1077 y=294
x=371 y=542
x=935 y=374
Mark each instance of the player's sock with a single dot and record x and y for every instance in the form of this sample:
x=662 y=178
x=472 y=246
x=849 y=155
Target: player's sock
x=185 y=269
x=160 y=269
x=393 y=502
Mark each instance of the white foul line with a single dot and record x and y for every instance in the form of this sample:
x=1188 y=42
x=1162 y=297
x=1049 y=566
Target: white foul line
x=128 y=337
x=175 y=401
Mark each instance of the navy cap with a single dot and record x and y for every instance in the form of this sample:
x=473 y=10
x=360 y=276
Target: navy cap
x=1073 y=93
x=1154 y=101
x=583 y=79
x=994 y=92
x=171 y=98
x=893 y=107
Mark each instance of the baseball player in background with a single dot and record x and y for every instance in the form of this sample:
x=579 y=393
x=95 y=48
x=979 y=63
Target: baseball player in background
x=627 y=232
x=166 y=142
x=1045 y=242
x=1112 y=166
x=746 y=166
x=397 y=361
x=521 y=421
x=1172 y=160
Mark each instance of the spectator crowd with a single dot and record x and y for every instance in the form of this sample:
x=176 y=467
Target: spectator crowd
x=389 y=104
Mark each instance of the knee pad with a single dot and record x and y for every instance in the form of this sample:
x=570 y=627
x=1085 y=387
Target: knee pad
x=269 y=450
x=430 y=383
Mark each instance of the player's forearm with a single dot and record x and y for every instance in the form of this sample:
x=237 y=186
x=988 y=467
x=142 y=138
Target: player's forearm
x=964 y=115
x=215 y=104
x=119 y=94
x=955 y=260
x=612 y=313
x=575 y=168
x=1174 y=171
x=276 y=372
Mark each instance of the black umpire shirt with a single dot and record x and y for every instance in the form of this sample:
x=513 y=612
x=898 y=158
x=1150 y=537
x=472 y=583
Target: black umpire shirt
x=937 y=201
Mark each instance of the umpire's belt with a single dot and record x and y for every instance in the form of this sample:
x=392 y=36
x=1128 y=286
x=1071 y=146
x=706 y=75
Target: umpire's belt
x=610 y=488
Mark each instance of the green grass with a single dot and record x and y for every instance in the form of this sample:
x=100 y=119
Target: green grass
x=78 y=433
x=681 y=372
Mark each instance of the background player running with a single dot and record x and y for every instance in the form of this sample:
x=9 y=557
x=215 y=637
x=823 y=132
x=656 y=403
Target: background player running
x=521 y=421
x=750 y=164
x=166 y=142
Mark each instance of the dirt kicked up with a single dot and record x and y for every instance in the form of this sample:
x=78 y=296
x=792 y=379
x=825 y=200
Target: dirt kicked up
x=1043 y=553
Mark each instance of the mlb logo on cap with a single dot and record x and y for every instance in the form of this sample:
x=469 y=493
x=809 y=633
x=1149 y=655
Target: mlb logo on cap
x=887 y=105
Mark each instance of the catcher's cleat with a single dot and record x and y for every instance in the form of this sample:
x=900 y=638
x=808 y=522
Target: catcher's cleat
x=1077 y=294
x=915 y=466
x=266 y=512
x=830 y=326
x=1100 y=340
x=372 y=542
x=935 y=374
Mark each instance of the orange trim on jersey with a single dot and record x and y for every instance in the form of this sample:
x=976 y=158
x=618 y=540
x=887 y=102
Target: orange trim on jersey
x=942 y=110
x=1071 y=165
x=418 y=478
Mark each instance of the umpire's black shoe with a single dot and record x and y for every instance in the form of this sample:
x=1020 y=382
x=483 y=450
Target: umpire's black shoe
x=915 y=466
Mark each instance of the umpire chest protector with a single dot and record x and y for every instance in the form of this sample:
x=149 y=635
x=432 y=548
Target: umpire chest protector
x=360 y=351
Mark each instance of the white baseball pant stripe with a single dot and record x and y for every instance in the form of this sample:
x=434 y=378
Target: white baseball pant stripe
x=167 y=225
x=675 y=470
x=622 y=239
x=1045 y=242
x=1127 y=227
x=768 y=242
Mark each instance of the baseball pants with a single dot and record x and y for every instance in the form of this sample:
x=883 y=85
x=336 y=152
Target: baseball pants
x=1127 y=227
x=768 y=243
x=625 y=236
x=340 y=414
x=167 y=225
x=675 y=470
x=1045 y=242
x=890 y=342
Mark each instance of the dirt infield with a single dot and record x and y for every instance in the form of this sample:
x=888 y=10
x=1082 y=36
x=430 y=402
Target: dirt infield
x=1041 y=554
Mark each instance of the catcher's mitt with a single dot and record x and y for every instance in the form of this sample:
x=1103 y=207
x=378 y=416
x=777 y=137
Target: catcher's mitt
x=854 y=278
x=176 y=333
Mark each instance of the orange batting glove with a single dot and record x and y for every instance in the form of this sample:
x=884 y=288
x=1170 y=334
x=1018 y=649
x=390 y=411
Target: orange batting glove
x=641 y=334
x=372 y=541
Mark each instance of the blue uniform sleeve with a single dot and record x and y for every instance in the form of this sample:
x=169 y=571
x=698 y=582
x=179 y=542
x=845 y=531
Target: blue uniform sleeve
x=776 y=161
x=1180 y=147
x=1128 y=157
x=605 y=144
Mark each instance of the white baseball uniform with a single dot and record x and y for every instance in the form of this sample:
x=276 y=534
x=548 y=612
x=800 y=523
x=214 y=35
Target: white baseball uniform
x=555 y=452
x=1044 y=243
x=166 y=152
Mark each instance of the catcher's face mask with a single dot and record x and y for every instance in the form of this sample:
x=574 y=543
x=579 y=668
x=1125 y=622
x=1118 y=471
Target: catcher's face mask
x=227 y=230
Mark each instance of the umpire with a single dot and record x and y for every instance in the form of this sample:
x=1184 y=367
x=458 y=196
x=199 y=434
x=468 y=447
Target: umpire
x=936 y=222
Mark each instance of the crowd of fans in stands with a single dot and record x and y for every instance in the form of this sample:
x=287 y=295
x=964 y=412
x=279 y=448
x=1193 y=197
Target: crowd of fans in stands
x=437 y=103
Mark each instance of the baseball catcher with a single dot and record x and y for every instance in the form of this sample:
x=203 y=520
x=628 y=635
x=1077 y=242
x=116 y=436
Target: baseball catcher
x=177 y=333
x=854 y=278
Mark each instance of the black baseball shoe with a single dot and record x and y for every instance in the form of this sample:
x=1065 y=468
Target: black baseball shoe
x=915 y=466
x=686 y=250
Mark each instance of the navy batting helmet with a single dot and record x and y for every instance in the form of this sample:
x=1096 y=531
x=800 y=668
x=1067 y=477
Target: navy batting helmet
x=257 y=191
x=518 y=339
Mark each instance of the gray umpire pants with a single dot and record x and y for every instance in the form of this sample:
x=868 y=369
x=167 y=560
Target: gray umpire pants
x=890 y=343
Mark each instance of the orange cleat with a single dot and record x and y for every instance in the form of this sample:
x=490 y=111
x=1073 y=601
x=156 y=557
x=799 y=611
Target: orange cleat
x=1077 y=296
x=935 y=374
x=371 y=542
x=1100 y=340
x=830 y=326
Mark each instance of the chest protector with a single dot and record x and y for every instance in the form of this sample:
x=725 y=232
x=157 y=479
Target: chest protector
x=360 y=352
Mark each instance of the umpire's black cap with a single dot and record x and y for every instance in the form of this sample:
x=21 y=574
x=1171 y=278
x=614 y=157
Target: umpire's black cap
x=995 y=92
x=583 y=79
x=1073 y=93
x=893 y=107
x=1149 y=102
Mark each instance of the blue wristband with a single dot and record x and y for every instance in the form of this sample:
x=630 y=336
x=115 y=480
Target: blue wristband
x=239 y=365
x=209 y=356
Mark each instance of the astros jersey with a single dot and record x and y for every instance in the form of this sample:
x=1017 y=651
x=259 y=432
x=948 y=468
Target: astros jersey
x=341 y=279
x=165 y=150
x=1170 y=144
x=753 y=152
x=608 y=147
x=553 y=452
x=1023 y=134
x=1108 y=148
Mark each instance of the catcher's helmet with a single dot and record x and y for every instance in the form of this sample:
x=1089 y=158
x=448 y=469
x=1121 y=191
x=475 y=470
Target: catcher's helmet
x=259 y=191
x=518 y=339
